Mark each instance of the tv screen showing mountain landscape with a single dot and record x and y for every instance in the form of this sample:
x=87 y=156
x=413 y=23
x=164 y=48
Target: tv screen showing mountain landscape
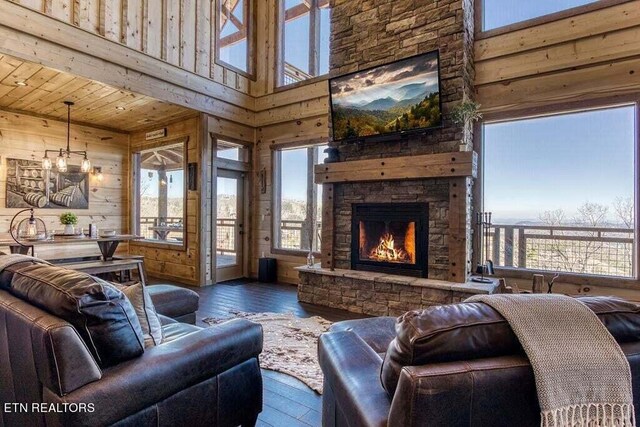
x=390 y=98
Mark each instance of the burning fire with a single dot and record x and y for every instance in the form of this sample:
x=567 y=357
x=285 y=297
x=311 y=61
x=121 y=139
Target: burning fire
x=386 y=251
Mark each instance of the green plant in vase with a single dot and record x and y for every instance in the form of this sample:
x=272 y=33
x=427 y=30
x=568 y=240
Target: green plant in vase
x=465 y=114
x=69 y=220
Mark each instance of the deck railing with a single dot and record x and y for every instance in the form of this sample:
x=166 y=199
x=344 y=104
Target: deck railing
x=294 y=236
x=226 y=236
x=588 y=250
x=153 y=221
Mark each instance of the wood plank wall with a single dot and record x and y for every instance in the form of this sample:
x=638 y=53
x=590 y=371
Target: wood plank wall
x=26 y=137
x=289 y=133
x=169 y=261
x=179 y=32
x=581 y=58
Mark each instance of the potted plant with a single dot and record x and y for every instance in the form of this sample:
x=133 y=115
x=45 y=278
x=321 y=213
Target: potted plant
x=68 y=219
x=464 y=115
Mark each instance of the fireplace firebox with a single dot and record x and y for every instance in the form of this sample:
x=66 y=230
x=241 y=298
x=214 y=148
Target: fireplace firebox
x=390 y=238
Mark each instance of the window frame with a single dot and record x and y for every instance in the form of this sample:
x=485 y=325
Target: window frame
x=314 y=42
x=250 y=17
x=135 y=200
x=276 y=153
x=584 y=281
x=480 y=33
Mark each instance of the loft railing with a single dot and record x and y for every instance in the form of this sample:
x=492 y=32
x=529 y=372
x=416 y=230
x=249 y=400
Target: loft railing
x=588 y=250
x=293 y=74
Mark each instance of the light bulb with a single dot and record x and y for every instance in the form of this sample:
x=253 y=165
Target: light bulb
x=32 y=229
x=61 y=162
x=46 y=163
x=86 y=165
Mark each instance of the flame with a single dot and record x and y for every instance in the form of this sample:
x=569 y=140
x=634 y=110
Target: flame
x=386 y=251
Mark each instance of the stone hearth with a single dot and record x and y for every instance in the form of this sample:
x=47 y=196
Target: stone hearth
x=379 y=294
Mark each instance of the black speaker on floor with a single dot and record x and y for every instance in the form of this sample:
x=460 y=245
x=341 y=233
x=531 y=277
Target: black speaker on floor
x=267 y=270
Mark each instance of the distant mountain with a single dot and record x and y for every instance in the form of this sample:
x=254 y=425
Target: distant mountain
x=405 y=96
x=411 y=91
x=380 y=104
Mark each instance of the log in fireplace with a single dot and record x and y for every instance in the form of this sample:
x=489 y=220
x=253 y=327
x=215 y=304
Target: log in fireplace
x=390 y=238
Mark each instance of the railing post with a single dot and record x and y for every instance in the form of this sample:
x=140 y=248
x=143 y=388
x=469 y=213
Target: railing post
x=508 y=246
x=522 y=248
x=495 y=256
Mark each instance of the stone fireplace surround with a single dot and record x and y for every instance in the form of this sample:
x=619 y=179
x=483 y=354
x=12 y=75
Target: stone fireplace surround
x=366 y=34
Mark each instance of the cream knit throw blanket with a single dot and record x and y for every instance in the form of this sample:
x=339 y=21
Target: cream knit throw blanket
x=582 y=376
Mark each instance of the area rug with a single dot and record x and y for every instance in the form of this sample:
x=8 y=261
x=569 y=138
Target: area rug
x=290 y=344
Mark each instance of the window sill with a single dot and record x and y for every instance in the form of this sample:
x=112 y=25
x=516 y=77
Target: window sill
x=301 y=84
x=585 y=280
x=159 y=244
x=293 y=252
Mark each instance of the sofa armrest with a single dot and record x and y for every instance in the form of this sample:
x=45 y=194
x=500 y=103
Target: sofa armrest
x=352 y=371
x=163 y=371
x=498 y=391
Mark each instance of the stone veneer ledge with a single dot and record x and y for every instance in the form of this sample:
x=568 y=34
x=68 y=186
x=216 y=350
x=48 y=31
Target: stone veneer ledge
x=380 y=294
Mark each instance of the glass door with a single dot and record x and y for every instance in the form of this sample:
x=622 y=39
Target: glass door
x=229 y=225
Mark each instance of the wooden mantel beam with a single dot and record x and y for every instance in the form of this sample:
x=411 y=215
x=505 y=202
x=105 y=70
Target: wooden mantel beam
x=442 y=165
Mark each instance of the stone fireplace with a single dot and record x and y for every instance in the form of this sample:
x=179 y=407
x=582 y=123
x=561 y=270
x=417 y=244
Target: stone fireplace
x=390 y=238
x=385 y=265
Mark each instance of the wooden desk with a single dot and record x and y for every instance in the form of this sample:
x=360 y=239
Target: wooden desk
x=111 y=266
x=107 y=245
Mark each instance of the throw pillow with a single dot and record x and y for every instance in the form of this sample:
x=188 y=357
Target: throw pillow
x=102 y=314
x=142 y=304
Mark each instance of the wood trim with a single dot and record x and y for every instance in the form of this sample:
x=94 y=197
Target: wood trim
x=556 y=16
x=570 y=278
x=328 y=229
x=560 y=108
x=458 y=188
x=442 y=165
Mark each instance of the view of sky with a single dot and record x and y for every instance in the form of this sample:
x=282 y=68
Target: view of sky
x=498 y=13
x=558 y=162
x=385 y=81
x=296 y=40
x=294 y=172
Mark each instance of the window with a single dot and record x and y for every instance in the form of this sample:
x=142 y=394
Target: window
x=561 y=192
x=160 y=193
x=298 y=201
x=234 y=35
x=305 y=26
x=499 y=13
x=231 y=151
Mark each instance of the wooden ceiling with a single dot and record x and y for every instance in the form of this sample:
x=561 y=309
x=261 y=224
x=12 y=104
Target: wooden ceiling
x=30 y=88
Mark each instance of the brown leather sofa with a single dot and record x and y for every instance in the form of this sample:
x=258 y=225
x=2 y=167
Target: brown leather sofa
x=456 y=365
x=196 y=377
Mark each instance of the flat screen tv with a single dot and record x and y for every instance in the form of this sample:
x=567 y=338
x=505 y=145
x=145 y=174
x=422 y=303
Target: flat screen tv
x=400 y=97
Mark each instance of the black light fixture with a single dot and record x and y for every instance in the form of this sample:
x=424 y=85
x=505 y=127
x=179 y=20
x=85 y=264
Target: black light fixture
x=484 y=266
x=64 y=154
x=29 y=229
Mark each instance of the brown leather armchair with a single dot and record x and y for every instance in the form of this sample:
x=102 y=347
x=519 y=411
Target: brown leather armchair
x=456 y=365
x=196 y=377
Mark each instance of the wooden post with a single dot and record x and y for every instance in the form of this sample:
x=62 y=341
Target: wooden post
x=522 y=249
x=508 y=246
x=458 y=230
x=495 y=256
x=538 y=284
x=327 y=226
x=163 y=195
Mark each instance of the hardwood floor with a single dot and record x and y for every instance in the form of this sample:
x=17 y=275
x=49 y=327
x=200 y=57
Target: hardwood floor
x=287 y=401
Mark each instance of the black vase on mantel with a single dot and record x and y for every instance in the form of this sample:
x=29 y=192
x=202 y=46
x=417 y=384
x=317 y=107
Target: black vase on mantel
x=333 y=155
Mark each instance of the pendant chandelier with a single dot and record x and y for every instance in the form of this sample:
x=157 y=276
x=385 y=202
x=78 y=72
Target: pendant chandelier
x=65 y=154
